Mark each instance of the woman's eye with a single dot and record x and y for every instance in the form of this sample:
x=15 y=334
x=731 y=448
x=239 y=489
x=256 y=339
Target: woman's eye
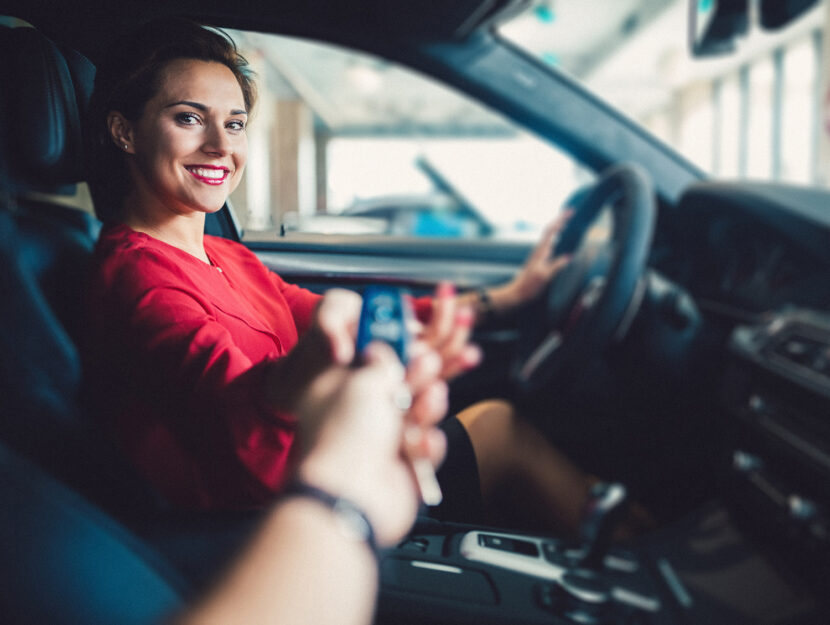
x=236 y=124
x=188 y=119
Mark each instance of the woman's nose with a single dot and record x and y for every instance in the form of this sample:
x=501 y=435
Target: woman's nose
x=217 y=140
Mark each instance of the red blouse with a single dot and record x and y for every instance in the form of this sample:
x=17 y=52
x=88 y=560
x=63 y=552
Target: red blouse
x=177 y=354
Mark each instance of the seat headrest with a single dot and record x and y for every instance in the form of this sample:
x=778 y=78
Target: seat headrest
x=82 y=72
x=41 y=92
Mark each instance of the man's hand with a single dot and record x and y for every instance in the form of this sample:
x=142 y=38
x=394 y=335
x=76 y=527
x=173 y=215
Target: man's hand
x=359 y=441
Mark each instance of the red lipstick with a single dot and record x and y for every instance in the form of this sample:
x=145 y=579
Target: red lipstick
x=209 y=174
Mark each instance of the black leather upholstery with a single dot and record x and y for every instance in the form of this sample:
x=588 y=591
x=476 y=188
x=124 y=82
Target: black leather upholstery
x=82 y=72
x=43 y=134
x=41 y=102
x=45 y=251
x=41 y=252
x=40 y=377
x=40 y=369
x=67 y=563
x=55 y=245
x=64 y=560
x=41 y=419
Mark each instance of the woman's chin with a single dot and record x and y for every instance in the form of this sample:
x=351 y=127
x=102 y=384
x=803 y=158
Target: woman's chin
x=208 y=207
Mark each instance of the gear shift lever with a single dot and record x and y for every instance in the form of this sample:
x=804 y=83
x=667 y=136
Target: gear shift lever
x=606 y=504
x=578 y=568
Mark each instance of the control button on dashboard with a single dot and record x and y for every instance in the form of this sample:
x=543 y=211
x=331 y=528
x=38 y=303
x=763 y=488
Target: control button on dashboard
x=800 y=349
x=745 y=462
x=415 y=544
x=510 y=545
x=562 y=555
x=801 y=508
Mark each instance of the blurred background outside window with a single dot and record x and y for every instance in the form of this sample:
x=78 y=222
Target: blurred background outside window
x=345 y=143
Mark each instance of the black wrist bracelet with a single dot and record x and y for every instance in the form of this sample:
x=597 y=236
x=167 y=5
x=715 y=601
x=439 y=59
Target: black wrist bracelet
x=353 y=519
x=485 y=303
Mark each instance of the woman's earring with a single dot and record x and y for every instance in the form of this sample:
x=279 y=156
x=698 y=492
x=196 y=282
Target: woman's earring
x=125 y=146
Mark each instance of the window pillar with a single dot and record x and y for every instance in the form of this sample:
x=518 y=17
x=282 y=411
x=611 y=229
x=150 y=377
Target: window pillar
x=292 y=172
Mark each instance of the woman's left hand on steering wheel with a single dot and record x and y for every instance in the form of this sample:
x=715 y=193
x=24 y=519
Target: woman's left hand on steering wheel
x=539 y=269
x=450 y=326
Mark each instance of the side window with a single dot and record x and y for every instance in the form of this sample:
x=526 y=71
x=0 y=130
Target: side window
x=345 y=143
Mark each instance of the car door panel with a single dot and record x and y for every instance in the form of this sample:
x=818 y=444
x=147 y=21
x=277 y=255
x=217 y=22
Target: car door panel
x=417 y=265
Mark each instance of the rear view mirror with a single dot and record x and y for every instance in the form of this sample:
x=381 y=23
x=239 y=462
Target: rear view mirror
x=777 y=13
x=714 y=25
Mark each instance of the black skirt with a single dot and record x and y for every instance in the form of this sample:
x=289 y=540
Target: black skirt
x=458 y=477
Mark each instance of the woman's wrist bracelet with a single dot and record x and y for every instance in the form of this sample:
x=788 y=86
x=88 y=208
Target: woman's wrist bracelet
x=352 y=519
x=485 y=303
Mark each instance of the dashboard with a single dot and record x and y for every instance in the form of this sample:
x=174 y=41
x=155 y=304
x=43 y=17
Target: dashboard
x=757 y=256
x=751 y=248
x=757 y=271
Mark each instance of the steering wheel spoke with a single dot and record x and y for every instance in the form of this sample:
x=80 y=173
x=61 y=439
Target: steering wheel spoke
x=540 y=354
x=590 y=296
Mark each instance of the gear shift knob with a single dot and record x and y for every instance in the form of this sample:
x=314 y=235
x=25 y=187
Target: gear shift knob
x=605 y=505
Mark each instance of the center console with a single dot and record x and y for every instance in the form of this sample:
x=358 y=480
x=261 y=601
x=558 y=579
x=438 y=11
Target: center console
x=459 y=574
x=483 y=576
x=759 y=553
x=702 y=570
x=779 y=392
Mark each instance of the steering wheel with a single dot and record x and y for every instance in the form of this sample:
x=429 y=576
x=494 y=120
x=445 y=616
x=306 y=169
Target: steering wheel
x=593 y=299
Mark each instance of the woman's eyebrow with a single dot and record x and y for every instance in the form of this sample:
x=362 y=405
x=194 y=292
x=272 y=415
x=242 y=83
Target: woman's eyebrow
x=195 y=105
x=202 y=107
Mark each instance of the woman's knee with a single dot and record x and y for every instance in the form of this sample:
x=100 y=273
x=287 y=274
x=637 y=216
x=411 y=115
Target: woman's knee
x=492 y=426
x=489 y=422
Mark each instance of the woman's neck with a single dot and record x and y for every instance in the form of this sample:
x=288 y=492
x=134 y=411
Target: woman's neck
x=185 y=232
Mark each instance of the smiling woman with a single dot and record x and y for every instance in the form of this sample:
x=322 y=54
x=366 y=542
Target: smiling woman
x=170 y=109
x=187 y=151
x=198 y=352
x=201 y=354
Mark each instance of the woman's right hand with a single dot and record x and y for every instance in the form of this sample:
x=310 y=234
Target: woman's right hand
x=336 y=321
x=449 y=330
x=329 y=341
x=357 y=442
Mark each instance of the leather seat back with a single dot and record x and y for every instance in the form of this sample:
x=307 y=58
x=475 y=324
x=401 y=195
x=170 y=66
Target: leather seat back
x=42 y=120
x=45 y=253
x=65 y=562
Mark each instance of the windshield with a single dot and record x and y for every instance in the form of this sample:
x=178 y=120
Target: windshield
x=755 y=113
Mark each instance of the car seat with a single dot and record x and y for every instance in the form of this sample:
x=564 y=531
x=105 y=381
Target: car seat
x=65 y=562
x=45 y=251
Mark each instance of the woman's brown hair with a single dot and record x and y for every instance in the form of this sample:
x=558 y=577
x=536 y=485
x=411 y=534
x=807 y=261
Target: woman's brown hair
x=128 y=77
